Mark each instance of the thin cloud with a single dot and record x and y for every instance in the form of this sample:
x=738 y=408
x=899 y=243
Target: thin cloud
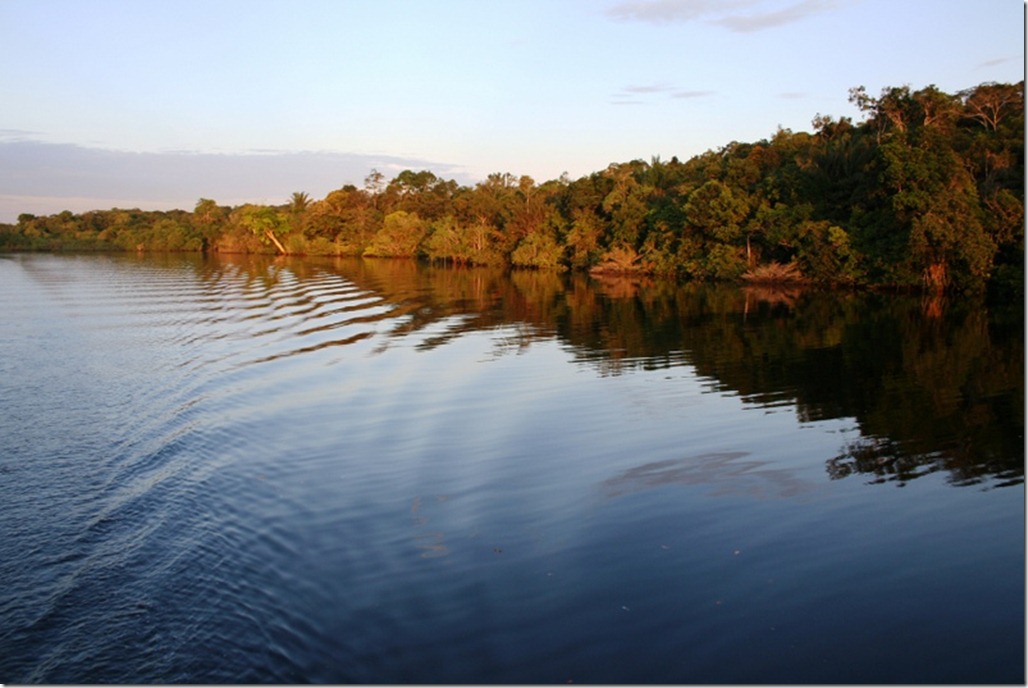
x=996 y=62
x=758 y=21
x=672 y=11
x=17 y=135
x=653 y=88
x=630 y=95
x=741 y=16
x=692 y=94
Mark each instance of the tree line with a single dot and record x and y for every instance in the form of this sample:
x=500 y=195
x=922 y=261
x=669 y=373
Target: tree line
x=926 y=191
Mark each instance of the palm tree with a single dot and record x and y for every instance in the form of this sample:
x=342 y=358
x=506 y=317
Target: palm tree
x=298 y=202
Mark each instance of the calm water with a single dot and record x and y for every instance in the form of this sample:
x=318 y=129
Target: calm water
x=248 y=471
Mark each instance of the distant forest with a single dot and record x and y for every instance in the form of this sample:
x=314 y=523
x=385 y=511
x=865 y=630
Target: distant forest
x=926 y=192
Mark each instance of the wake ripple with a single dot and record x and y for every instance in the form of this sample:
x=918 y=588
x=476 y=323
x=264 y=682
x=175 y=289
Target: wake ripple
x=135 y=526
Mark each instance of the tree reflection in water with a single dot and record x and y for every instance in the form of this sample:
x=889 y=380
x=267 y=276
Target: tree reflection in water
x=933 y=384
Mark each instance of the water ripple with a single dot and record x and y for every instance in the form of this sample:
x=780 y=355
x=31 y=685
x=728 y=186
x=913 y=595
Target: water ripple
x=155 y=534
x=253 y=471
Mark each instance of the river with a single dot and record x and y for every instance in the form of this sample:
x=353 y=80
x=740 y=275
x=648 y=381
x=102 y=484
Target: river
x=248 y=470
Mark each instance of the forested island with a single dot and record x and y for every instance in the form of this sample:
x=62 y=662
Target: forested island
x=926 y=192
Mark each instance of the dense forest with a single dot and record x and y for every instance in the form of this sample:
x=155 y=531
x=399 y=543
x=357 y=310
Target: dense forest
x=927 y=191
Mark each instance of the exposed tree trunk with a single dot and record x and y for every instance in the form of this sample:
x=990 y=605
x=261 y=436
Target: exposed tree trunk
x=274 y=240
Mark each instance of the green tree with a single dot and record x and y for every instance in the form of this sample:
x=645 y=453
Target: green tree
x=299 y=202
x=538 y=249
x=824 y=253
x=935 y=203
x=625 y=205
x=583 y=238
x=400 y=236
x=207 y=212
x=716 y=211
x=265 y=223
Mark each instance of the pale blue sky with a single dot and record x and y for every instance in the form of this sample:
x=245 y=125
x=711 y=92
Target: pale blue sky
x=156 y=103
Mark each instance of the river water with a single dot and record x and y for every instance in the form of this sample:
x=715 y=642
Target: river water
x=243 y=470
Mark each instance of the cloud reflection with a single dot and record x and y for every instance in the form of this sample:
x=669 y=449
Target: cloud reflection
x=726 y=472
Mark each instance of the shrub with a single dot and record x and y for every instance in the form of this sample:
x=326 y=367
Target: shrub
x=774 y=273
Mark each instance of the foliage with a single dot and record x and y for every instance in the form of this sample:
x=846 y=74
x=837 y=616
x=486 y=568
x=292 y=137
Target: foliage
x=264 y=222
x=539 y=249
x=399 y=237
x=926 y=192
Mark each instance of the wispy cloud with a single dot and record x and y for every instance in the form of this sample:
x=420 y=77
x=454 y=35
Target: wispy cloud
x=692 y=94
x=649 y=88
x=995 y=62
x=670 y=11
x=17 y=135
x=741 y=16
x=760 y=20
x=638 y=94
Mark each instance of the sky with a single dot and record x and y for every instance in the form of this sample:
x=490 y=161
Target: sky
x=156 y=104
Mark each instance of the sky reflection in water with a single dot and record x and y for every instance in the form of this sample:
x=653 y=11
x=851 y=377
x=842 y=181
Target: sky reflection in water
x=252 y=471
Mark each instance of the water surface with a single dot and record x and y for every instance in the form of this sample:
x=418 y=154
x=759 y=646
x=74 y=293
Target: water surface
x=254 y=471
